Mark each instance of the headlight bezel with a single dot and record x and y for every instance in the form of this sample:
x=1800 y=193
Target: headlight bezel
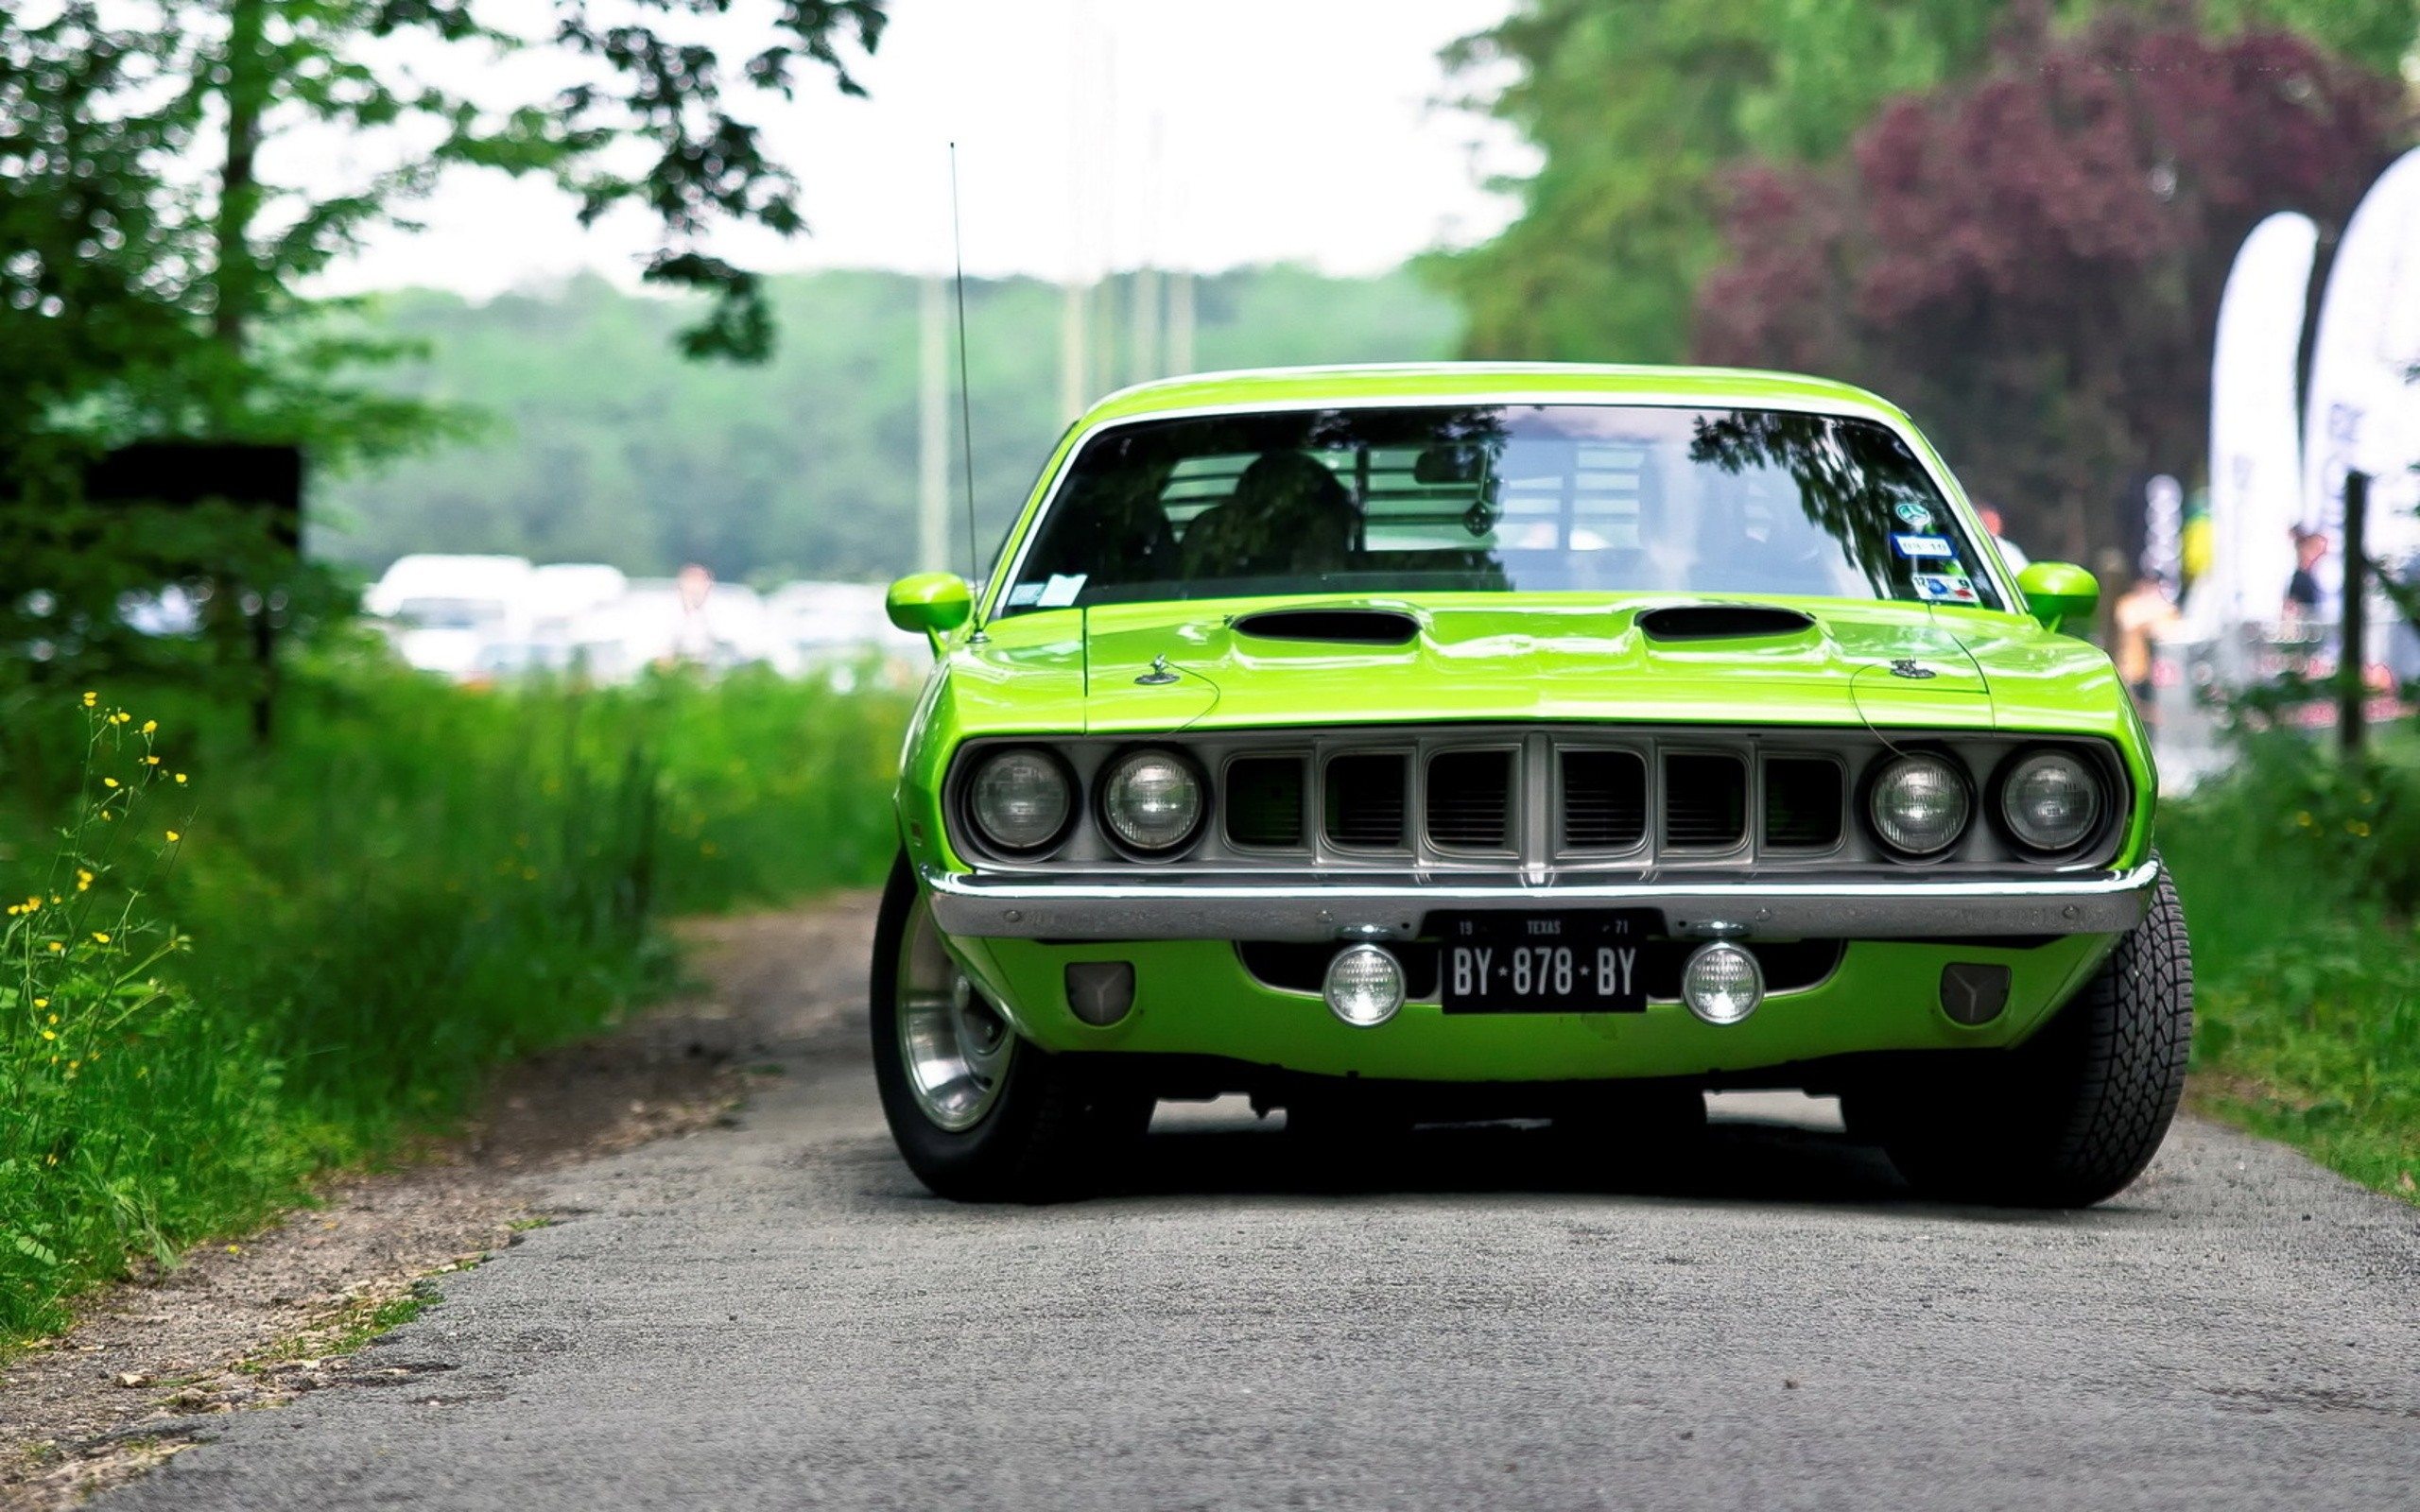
x=1105 y=784
x=2106 y=800
x=970 y=817
x=1871 y=789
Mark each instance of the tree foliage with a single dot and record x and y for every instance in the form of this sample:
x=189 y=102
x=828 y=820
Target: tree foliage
x=153 y=265
x=608 y=448
x=1639 y=108
x=2031 y=260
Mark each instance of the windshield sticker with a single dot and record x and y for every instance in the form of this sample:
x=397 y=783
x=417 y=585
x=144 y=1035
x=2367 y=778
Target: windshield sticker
x=1913 y=515
x=1022 y=595
x=1944 y=588
x=1061 y=590
x=1923 y=546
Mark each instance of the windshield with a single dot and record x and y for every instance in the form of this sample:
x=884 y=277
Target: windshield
x=1498 y=498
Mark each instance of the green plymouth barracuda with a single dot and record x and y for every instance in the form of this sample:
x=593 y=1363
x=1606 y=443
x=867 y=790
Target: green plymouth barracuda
x=1465 y=742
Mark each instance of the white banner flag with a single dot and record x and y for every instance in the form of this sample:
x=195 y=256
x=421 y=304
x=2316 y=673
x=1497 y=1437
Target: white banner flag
x=2364 y=411
x=2256 y=450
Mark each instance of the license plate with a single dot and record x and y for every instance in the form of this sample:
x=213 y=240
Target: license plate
x=1545 y=963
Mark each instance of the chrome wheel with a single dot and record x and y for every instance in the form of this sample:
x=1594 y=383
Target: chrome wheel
x=953 y=1044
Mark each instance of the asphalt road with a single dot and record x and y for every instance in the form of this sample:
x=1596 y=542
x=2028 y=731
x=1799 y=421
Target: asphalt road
x=778 y=1315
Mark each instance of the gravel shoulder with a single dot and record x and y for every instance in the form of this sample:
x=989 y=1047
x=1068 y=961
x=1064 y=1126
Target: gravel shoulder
x=773 y=1314
x=259 y=1319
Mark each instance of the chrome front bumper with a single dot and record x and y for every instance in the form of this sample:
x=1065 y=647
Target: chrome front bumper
x=1095 y=908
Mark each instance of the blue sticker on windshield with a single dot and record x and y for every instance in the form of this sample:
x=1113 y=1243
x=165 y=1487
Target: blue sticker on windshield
x=1913 y=515
x=1944 y=588
x=1923 y=546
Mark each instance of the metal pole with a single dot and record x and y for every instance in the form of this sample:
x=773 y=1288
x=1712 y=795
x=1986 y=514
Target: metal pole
x=932 y=432
x=2354 y=618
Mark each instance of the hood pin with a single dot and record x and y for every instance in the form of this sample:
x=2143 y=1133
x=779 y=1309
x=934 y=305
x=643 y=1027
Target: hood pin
x=1160 y=677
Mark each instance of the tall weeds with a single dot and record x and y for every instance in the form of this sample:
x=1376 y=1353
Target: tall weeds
x=412 y=882
x=2300 y=876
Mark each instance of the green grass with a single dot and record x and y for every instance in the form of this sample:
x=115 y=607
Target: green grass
x=2300 y=877
x=411 y=884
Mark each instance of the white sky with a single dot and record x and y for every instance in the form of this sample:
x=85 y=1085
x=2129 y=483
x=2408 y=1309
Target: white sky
x=1091 y=133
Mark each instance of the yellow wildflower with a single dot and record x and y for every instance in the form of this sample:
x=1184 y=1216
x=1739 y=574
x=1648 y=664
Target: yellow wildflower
x=120 y=717
x=83 y=880
x=150 y=727
x=90 y=698
x=109 y=781
x=174 y=836
x=2302 y=818
x=48 y=1034
x=56 y=947
x=181 y=778
x=101 y=935
x=150 y=761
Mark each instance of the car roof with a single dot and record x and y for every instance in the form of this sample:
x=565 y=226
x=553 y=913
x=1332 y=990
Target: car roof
x=1523 y=382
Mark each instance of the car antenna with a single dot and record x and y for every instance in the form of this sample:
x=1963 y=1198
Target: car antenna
x=965 y=402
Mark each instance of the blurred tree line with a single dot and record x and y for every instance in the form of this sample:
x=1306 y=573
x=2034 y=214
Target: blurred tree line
x=600 y=445
x=2010 y=215
x=151 y=266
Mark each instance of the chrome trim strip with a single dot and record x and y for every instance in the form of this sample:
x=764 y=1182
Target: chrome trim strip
x=1025 y=907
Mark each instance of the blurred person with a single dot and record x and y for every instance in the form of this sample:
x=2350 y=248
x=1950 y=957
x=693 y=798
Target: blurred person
x=2301 y=590
x=695 y=643
x=2009 y=552
x=2141 y=615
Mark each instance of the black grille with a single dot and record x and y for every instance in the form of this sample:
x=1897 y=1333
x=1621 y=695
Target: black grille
x=1365 y=800
x=1469 y=799
x=1264 y=800
x=1706 y=800
x=1802 y=803
x=1604 y=799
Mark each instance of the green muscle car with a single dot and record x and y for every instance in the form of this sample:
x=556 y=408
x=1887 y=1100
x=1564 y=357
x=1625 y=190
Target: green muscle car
x=1463 y=742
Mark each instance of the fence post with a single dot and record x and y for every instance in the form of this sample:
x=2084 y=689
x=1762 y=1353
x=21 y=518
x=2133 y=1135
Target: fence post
x=2353 y=620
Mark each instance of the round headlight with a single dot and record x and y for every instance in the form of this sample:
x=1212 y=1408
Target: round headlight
x=2050 y=799
x=1919 y=804
x=1020 y=799
x=1151 y=799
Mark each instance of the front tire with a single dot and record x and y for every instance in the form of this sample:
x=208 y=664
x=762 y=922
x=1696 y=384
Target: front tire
x=979 y=1114
x=2074 y=1114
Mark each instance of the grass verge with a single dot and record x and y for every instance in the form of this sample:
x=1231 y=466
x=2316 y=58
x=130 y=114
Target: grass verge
x=2300 y=874
x=227 y=966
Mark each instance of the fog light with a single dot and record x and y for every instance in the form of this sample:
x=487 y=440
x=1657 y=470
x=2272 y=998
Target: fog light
x=1722 y=983
x=1364 y=985
x=1100 y=992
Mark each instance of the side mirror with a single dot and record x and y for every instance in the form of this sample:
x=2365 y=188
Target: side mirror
x=929 y=604
x=2059 y=595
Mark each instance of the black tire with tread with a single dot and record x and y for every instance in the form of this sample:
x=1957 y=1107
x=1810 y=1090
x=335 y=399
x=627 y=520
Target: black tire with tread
x=1052 y=1134
x=2073 y=1115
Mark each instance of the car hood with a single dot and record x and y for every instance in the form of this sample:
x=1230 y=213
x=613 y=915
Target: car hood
x=1497 y=656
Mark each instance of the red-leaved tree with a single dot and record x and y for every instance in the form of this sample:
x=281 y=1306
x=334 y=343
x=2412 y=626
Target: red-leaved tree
x=2030 y=262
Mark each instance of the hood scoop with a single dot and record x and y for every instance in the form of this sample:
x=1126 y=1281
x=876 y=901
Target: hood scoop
x=1722 y=622
x=1341 y=626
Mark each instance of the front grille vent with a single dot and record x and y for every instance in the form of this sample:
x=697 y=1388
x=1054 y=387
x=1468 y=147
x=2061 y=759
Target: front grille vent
x=1802 y=803
x=1705 y=801
x=1470 y=798
x=1365 y=801
x=1604 y=799
x=1263 y=801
